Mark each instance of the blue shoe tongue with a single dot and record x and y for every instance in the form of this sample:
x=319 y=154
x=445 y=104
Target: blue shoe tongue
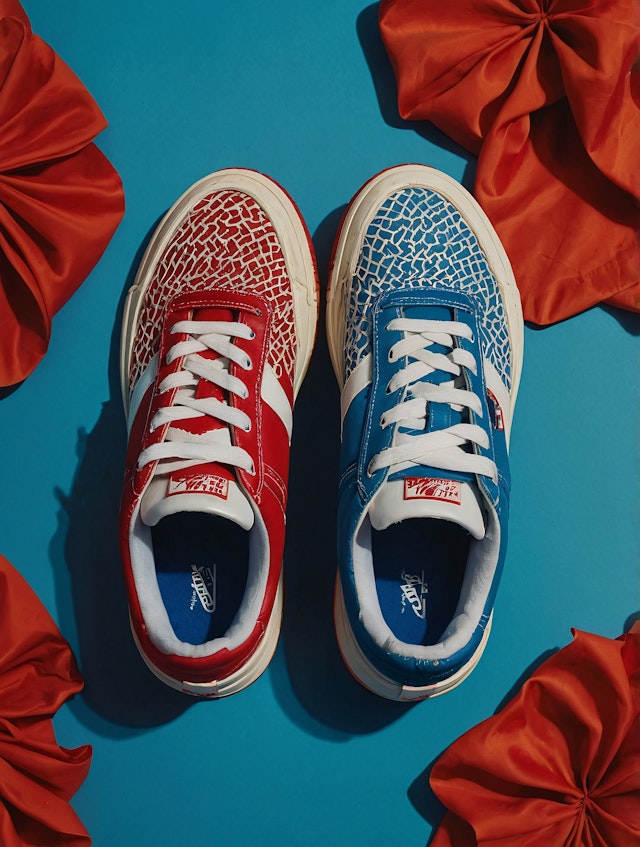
x=441 y=415
x=422 y=492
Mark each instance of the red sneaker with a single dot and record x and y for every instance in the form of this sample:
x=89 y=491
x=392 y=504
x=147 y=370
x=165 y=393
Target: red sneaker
x=217 y=335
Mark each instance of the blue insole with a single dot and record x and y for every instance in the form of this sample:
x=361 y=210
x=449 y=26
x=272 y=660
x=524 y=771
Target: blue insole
x=419 y=566
x=202 y=564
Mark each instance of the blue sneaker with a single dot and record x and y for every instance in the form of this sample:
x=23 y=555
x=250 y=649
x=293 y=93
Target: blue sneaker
x=425 y=332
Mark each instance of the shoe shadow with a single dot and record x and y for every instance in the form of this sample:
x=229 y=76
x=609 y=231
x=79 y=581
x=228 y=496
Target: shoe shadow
x=120 y=692
x=384 y=83
x=312 y=682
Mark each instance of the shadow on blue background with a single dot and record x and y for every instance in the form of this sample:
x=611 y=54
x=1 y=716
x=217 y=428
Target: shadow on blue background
x=319 y=692
x=119 y=689
x=629 y=321
x=424 y=801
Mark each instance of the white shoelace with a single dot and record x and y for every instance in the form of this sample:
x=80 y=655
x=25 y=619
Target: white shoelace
x=443 y=449
x=182 y=449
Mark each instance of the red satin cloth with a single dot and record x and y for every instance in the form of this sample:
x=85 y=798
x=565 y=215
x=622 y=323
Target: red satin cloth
x=60 y=199
x=37 y=674
x=559 y=766
x=547 y=94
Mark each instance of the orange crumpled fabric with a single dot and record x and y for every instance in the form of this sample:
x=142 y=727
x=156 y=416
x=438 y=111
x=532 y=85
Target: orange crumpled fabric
x=559 y=766
x=60 y=199
x=547 y=94
x=37 y=675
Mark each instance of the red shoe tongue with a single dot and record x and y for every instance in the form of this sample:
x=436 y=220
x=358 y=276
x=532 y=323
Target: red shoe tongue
x=208 y=488
x=423 y=497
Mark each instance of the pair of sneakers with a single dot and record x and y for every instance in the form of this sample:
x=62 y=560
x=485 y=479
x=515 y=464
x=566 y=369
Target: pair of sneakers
x=425 y=334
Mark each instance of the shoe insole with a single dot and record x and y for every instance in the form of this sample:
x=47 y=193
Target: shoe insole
x=419 y=566
x=202 y=564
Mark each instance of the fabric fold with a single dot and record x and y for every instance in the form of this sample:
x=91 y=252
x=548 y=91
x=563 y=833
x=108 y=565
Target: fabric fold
x=559 y=763
x=547 y=94
x=37 y=675
x=60 y=198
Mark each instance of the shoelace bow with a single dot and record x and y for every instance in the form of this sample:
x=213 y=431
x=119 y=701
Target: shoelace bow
x=448 y=449
x=181 y=449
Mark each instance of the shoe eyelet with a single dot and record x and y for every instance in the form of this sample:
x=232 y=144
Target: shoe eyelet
x=259 y=313
x=252 y=336
x=368 y=471
x=248 y=364
x=247 y=428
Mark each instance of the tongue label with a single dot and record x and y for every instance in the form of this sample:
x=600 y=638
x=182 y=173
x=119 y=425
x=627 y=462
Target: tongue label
x=199 y=484
x=425 y=488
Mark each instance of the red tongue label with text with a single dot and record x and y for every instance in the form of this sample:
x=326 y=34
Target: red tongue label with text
x=199 y=483
x=425 y=488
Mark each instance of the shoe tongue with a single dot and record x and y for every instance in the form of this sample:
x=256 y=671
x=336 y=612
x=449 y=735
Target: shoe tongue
x=427 y=497
x=208 y=488
x=206 y=389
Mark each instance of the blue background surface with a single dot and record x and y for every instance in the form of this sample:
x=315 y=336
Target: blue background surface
x=303 y=92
